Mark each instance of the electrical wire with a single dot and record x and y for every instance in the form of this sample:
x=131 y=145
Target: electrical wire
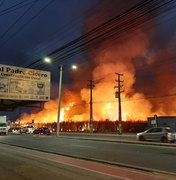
x=15 y=7
x=71 y=28
x=77 y=40
x=12 y=25
x=110 y=33
x=25 y=24
x=90 y=36
x=146 y=18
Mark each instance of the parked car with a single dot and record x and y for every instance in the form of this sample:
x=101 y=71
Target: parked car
x=161 y=134
x=27 y=129
x=16 y=130
x=41 y=131
x=30 y=129
x=24 y=130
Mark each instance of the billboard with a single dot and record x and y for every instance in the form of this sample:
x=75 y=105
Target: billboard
x=18 y=83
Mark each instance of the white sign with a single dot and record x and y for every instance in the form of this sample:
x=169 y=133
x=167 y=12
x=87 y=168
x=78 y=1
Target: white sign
x=18 y=83
x=153 y=121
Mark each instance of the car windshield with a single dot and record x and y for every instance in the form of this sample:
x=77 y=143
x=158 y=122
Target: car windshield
x=3 y=125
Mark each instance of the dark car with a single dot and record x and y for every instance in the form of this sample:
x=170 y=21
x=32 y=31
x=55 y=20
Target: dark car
x=42 y=131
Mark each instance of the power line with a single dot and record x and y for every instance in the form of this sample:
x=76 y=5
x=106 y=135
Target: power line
x=15 y=7
x=71 y=27
x=25 y=24
x=102 y=49
x=91 y=38
x=67 y=28
x=88 y=44
x=74 y=42
x=11 y=26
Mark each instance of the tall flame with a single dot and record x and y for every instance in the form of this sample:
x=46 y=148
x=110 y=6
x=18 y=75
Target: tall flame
x=136 y=59
x=118 y=58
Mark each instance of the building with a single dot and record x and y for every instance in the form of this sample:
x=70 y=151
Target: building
x=164 y=121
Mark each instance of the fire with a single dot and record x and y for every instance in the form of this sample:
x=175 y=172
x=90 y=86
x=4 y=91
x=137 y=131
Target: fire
x=48 y=114
x=105 y=105
x=65 y=110
x=134 y=57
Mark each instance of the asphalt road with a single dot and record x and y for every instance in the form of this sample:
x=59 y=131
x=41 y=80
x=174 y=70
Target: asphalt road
x=25 y=164
x=138 y=156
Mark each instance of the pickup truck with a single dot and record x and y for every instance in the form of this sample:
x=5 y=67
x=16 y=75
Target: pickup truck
x=3 y=125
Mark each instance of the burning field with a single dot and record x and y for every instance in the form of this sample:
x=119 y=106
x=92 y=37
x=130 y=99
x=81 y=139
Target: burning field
x=146 y=60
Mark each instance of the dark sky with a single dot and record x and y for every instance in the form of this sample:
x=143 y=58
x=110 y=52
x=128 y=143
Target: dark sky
x=32 y=29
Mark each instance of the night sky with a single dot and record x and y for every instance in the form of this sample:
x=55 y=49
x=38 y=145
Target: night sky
x=32 y=29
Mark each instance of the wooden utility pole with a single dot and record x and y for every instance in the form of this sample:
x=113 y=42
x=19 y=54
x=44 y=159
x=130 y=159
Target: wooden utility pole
x=118 y=95
x=91 y=85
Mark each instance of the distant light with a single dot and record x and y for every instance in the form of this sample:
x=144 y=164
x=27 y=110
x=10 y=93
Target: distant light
x=74 y=67
x=47 y=60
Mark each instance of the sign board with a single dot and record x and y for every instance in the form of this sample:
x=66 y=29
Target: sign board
x=18 y=83
x=153 y=122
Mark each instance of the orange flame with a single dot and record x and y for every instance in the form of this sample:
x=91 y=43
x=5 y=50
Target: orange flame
x=107 y=60
x=104 y=102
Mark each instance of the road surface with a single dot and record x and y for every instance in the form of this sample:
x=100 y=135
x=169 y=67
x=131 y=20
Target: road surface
x=25 y=164
x=139 y=156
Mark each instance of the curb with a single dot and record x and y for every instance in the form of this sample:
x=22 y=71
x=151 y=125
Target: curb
x=120 y=141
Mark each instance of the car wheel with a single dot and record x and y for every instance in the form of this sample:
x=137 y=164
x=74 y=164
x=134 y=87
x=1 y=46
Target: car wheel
x=141 y=138
x=164 y=139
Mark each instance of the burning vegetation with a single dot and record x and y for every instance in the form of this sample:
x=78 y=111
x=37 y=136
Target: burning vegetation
x=148 y=69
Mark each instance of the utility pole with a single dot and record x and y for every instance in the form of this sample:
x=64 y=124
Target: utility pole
x=19 y=123
x=91 y=85
x=155 y=119
x=118 y=95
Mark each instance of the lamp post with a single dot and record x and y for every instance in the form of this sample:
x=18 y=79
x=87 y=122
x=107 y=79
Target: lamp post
x=59 y=99
x=48 y=60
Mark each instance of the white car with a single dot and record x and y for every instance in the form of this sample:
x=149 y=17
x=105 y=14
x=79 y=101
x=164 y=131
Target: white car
x=16 y=130
x=30 y=129
x=162 y=134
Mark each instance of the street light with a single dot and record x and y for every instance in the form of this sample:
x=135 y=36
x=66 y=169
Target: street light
x=59 y=97
x=48 y=60
x=74 y=66
x=59 y=100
